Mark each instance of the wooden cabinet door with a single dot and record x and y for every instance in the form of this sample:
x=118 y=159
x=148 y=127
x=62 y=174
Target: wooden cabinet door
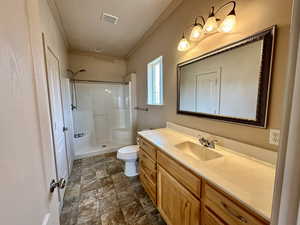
x=175 y=203
x=208 y=218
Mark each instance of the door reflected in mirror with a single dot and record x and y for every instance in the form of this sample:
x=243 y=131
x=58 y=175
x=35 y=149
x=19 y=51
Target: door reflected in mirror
x=231 y=83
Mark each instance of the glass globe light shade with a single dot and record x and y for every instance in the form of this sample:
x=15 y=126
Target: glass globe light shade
x=196 y=33
x=228 y=24
x=211 y=25
x=183 y=45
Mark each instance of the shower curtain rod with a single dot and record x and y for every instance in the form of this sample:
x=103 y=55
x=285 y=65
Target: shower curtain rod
x=99 y=81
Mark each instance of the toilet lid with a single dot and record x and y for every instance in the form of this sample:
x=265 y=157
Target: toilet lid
x=129 y=149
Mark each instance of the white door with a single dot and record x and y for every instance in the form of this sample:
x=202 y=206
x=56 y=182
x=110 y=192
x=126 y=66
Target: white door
x=208 y=93
x=57 y=117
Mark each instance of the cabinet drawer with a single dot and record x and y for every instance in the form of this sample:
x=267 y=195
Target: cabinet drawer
x=185 y=177
x=149 y=187
x=148 y=148
x=227 y=210
x=208 y=218
x=147 y=165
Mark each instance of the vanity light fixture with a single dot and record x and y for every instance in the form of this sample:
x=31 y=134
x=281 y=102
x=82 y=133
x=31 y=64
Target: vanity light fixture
x=196 y=33
x=229 y=22
x=183 y=44
x=211 y=25
x=197 y=30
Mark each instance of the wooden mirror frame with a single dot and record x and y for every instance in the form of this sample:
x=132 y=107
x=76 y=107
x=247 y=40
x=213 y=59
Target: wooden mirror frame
x=268 y=37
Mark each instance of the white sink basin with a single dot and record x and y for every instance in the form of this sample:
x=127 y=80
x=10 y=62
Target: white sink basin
x=197 y=151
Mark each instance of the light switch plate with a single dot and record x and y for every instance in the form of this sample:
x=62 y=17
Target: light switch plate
x=274 y=137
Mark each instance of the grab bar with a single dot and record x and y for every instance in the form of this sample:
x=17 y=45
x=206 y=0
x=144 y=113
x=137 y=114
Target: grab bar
x=141 y=109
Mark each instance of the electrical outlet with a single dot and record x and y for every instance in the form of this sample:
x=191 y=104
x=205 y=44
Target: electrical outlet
x=274 y=137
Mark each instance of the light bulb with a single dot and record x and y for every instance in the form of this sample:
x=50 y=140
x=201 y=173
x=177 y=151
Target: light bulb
x=228 y=24
x=183 y=45
x=196 y=33
x=211 y=25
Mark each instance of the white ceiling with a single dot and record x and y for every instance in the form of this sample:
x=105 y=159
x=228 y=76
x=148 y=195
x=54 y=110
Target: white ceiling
x=85 y=30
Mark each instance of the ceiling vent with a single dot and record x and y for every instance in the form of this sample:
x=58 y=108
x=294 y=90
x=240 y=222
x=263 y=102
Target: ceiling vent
x=110 y=18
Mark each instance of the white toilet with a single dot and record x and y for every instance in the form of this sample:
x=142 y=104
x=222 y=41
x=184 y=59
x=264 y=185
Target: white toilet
x=129 y=154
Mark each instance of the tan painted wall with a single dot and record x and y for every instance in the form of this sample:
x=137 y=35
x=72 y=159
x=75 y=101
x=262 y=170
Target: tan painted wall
x=252 y=16
x=21 y=150
x=53 y=36
x=55 y=40
x=101 y=68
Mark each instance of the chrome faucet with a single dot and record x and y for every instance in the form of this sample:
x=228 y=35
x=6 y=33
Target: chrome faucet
x=206 y=142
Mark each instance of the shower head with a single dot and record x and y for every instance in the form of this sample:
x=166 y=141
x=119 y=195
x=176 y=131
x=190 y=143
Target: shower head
x=82 y=70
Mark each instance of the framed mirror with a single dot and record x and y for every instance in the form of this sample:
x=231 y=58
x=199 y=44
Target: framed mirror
x=230 y=83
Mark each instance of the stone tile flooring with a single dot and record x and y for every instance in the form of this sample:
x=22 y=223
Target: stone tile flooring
x=98 y=193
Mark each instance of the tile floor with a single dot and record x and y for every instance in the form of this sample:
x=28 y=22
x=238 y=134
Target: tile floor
x=98 y=193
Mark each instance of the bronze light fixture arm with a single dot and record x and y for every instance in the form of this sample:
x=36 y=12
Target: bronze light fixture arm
x=212 y=12
x=197 y=23
x=232 y=12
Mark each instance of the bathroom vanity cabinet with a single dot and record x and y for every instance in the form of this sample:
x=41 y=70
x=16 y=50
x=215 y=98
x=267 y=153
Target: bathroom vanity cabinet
x=183 y=198
x=176 y=204
x=148 y=176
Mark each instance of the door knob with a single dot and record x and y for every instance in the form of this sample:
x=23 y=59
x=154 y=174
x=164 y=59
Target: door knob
x=62 y=183
x=57 y=184
x=53 y=185
x=65 y=129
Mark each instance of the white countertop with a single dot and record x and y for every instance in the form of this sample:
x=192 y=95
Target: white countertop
x=247 y=180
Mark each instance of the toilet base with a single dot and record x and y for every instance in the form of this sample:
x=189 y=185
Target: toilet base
x=130 y=169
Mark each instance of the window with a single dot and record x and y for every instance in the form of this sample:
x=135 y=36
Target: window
x=155 y=82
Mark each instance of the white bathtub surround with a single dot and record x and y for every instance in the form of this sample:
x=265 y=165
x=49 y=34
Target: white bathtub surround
x=102 y=118
x=249 y=181
x=251 y=151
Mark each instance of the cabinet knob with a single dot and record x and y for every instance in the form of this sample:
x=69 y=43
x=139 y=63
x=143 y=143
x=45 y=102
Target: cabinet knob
x=233 y=214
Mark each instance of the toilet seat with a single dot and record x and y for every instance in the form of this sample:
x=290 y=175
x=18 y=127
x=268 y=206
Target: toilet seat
x=128 y=152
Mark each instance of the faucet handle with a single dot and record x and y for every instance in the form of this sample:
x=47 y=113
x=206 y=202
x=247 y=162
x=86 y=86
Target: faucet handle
x=199 y=136
x=215 y=141
x=203 y=141
x=212 y=139
x=202 y=138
